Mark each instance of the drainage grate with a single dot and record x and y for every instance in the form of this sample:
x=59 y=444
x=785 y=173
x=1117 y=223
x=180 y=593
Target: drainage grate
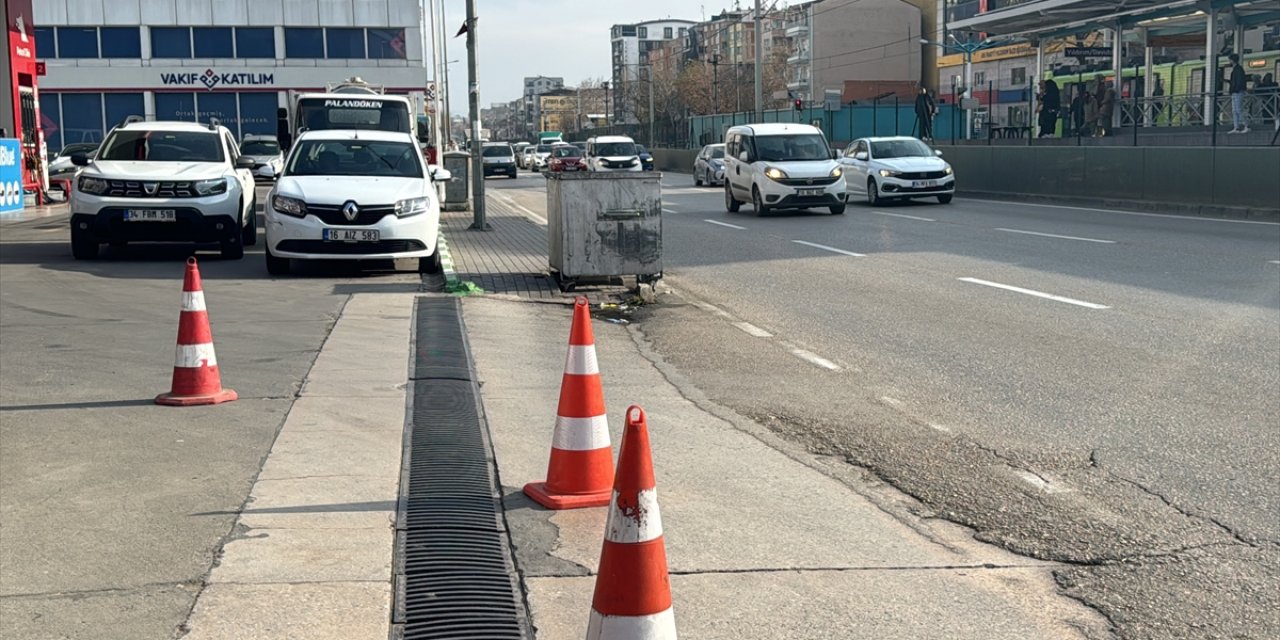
x=455 y=575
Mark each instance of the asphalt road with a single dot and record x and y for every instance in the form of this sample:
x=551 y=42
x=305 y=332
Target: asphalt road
x=112 y=507
x=1093 y=387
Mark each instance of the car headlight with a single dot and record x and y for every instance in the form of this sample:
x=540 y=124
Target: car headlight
x=289 y=206
x=412 y=206
x=775 y=173
x=837 y=172
x=889 y=173
x=96 y=186
x=947 y=170
x=211 y=187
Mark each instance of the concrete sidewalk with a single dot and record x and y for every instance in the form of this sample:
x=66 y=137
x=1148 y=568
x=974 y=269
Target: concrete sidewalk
x=763 y=540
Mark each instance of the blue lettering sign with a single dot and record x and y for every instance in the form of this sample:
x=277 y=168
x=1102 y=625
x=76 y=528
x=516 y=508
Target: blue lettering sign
x=10 y=175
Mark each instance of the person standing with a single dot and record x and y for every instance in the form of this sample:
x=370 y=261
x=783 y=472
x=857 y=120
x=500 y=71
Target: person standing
x=1077 y=110
x=926 y=108
x=1050 y=105
x=1106 y=107
x=1090 y=113
x=1237 y=83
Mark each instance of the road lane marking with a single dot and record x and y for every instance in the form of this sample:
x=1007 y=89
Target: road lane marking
x=903 y=215
x=1274 y=261
x=724 y=224
x=939 y=427
x=1054 y=235
x=752 y=330
x=666 y=210
x=1032 y=292
x=815 y=359
x=831 y=249
x=509 y=201
x=1042 y=483
x=894 y=402
x=1126 y=213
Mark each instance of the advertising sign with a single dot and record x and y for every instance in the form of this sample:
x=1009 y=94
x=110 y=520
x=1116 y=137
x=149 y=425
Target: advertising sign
x=10 y=175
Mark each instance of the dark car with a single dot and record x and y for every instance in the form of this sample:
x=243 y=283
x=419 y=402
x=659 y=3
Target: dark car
x=567 y=157
x=646 y=158
x=498 y=158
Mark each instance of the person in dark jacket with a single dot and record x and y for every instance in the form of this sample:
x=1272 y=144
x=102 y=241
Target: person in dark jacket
x=1077 y=110
x=926 y=108
x=1106 y=97
x=1050 y=105
x=1237 y=85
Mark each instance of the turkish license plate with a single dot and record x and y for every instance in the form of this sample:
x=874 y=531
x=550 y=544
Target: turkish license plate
x=924 y=184
x=150 y=215
x=351 y=235
x=809 y=192
x=572 y=168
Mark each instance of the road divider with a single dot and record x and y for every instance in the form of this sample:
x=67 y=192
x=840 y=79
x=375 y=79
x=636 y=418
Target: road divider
x=1054 y=235
x=1033 y=292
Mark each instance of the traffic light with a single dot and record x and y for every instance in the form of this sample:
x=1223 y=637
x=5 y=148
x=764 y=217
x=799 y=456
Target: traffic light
x=799 y=104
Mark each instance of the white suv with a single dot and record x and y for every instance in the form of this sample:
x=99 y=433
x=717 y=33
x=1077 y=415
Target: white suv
x=164 y=182
x=613 y=153
x=781 y=166
x=354 y=195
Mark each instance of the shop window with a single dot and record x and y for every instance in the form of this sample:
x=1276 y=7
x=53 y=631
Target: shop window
x=258 y=113
x=121 y=42
x=77 y=42
x=176 y=106
x=82 y=117
x=303 y=42
x=51 y=119
x=122 y=105
x=217 y=105
x=170 y=42
x=212 y=42
x=45 y=47
x=344 y=43
x=386 y=44
x=255 y=42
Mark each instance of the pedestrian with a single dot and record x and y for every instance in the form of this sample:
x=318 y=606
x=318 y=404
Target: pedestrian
x=1076 y=119
x=1106 y=97
x=1090 y=113
x=1157 y=95
x=1050 y=105
x=1237 y=83
x=926 y=108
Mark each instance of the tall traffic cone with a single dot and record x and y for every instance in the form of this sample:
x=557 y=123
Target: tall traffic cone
x=580 y=472
x=195 y=368
x=633 y=594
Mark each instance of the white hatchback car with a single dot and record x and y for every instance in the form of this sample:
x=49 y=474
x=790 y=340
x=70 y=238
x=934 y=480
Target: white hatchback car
x=897 y=168
x=781 y=166
x=354 y=195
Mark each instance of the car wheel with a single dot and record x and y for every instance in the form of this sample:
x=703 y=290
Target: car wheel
x=873 y=193
x=837 y=209
x=430 y=264
x=731 y=203
x=697 y=178
x=945 y=198
x=757 y=202
x=251 y=230
x=276 y=265
x=233 y=246
x=83 y=245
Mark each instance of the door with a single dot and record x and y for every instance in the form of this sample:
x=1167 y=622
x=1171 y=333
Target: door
x=856 y=170
x=738 y=171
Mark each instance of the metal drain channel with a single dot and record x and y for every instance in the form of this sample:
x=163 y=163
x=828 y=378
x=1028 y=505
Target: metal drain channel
x=455 y=577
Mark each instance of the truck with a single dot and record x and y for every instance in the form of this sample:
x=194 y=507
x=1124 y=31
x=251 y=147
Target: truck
x=353 y=104
x=548 y=137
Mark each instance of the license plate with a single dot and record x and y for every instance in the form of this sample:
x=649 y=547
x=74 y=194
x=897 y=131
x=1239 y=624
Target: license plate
x=809 y=192
x=924 y=184
x=351 y=235
x=150 y=215
x=570 y=168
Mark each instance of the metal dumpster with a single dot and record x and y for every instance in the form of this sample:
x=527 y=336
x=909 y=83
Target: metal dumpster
x=603 y=225
x=457 y=191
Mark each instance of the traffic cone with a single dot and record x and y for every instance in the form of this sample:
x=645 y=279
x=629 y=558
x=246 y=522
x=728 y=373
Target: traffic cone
x=633 y=594
x=580 y=472
x=195 y=368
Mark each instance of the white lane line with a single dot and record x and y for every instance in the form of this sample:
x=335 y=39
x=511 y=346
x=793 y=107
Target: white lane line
x=939 y=427
x=1042 y=483
x=532 y=216
x=666 y=210
x=1273 y=261
x=724 y=224
x=1126 y=213
x=1032 y=292
x=752 y=330
x=903 y=215
x=815 y=359
x=1054 y=235
x=831 y=249
x=891 y=401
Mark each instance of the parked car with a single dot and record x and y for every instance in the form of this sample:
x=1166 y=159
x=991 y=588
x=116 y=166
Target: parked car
x=60 y=166
x=896 y=168
x=708 y=167
x=362 y=195
x=781 y=166
x=164 y=182
x=646 y=158
x=613 y=153
x=567 y=157
x=267 y=156
x=519 y=147
x=498 y=158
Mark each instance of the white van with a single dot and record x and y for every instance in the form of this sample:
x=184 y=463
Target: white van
x=613 y=153
x=781 y=166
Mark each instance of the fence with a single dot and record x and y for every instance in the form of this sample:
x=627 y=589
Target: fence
x=879 y=118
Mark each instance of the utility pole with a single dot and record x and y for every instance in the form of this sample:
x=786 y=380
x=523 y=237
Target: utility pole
x=759 y=66
x=715 y=83
x=477 y=147
x=440 y=128
x=444 y=73
x=651 y=115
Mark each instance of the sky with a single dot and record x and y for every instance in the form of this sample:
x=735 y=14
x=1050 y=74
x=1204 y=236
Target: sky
x=556 y=38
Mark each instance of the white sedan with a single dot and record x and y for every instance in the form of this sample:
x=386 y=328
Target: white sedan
x=354 y=195
x=897 y=168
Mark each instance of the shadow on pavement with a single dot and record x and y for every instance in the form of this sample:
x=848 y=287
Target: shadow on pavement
x=104 y=404
x=340 y=507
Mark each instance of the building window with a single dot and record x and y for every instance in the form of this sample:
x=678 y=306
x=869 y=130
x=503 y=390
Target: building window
x=344 y=43
x=683 y=32
x=170 y=42
x=303 y=42
x=217 y=105
x=643 y=32
x=81 y=117
x=1019 y=76
x=258 y=113
x=666 y=33
x=122 y=105
x=121 y=42
x=51 y=119
x=45 y=43
x=979 y=78
x=77 y=42
x=629 y=31
x=387 y=44
x=212 y=42
x=255 y=42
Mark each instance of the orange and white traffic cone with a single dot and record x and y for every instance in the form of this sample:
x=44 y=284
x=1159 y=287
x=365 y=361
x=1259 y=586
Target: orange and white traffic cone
x=633 y=593
x=195 y=369
x=580 y=473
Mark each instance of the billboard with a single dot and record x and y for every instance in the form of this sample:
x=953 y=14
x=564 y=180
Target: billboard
x=10 y=175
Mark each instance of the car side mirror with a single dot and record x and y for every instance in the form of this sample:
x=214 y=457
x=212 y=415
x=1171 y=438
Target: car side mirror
x=80 y=160
x=937 y=152
x=835 y=154
x=245 y=162
x=861 y=155
x=441 y=175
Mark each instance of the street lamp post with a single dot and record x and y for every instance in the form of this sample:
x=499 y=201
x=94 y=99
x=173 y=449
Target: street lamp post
x=966 y=49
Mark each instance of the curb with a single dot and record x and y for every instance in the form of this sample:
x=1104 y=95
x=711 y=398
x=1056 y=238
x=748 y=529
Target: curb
x=452 y=283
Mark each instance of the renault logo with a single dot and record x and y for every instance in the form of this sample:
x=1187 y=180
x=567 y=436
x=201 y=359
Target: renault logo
x=810 y=181
x=350 y=210
x=150 y=187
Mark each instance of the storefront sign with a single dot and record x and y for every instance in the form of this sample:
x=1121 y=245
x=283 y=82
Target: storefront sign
x=210 y=79
x=1087 y=52
x=10 y=175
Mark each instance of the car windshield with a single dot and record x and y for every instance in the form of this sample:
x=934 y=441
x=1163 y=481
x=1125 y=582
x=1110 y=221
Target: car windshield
x=496 y=151
x=782 y=148
x=163 y=146
x=355 y=158
x=260 y=148
x=640 y=149
x=717 y=152
x=886 y=149
x=616 y=149
x=567 y=151
x=544 y=148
